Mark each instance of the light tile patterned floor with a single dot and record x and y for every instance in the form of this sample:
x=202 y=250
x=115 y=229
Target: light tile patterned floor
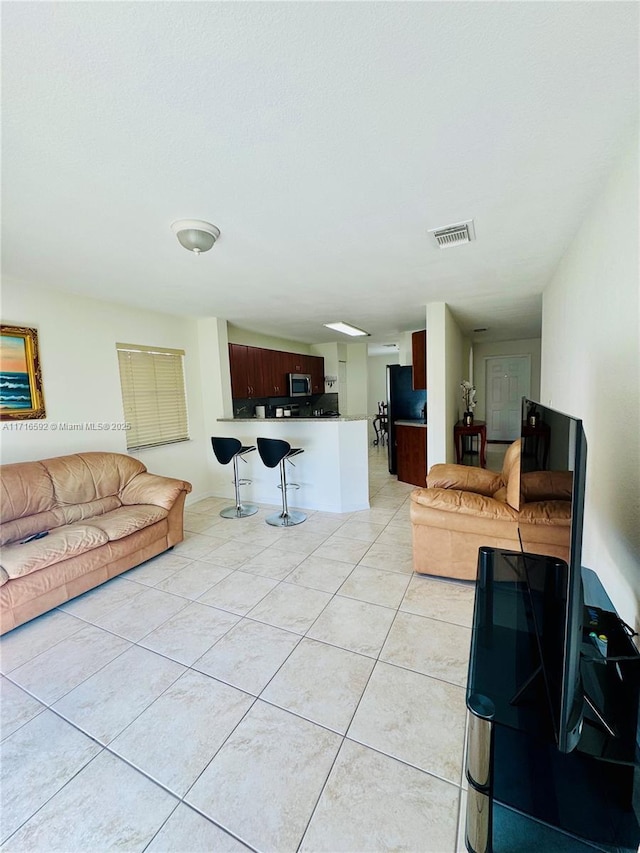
x=255 y=688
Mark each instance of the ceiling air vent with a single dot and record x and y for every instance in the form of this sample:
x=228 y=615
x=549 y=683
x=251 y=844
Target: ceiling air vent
x=454 y=235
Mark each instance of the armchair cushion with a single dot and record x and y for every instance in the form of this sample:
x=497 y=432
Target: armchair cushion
x=464 y=477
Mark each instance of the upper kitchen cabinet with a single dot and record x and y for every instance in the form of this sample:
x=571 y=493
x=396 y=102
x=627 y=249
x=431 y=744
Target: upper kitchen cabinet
x=238 y=364
x=316 y=369
x=258 y=372
x=419 y=359
x=247 y=372
x=298 y=363
x=276 y=367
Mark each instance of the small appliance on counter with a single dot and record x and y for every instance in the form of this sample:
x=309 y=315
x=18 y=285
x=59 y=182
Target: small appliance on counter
x=261 y=411
x=279 y=412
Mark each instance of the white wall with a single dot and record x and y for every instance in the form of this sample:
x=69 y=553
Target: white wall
x=591 y=369
x=357 y=380
x=530 y=347
x=445 y=346
x=237 y=335
x=77 y=338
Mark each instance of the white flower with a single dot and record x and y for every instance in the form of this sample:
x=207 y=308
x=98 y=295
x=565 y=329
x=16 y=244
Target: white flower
x=468 y=395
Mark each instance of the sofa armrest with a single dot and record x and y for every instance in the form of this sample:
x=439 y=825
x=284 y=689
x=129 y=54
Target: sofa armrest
x=153 y=489
x=464 y=477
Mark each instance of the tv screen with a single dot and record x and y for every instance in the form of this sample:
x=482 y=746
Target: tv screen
x=553 y=463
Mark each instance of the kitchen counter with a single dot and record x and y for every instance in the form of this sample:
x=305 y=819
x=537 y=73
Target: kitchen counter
x=298 y=419
x=333 y=471
x=411 y=423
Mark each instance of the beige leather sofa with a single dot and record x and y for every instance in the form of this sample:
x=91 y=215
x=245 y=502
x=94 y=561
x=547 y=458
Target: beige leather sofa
x=103 y=514
x=463 y=508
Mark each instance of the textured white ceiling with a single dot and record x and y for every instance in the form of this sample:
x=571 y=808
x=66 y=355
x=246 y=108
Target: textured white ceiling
x=324 y=140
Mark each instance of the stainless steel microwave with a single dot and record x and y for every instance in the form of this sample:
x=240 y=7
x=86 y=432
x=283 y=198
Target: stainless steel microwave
x=299 y=385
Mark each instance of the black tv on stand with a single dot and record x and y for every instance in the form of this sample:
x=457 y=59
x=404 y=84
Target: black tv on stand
x=554 y=442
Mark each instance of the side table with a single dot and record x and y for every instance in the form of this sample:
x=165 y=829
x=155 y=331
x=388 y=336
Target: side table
x=535 y=446
x=478 y=429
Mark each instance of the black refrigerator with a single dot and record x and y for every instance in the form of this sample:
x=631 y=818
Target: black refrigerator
x=403 y=404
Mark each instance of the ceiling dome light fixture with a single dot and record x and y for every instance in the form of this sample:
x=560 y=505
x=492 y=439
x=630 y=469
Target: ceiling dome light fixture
x=195 y=235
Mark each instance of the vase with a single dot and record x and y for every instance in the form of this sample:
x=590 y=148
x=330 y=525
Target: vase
x=468 y=418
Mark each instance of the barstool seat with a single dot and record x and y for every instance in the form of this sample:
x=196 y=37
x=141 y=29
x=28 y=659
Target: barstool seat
x=274 y=452
x=227 y=450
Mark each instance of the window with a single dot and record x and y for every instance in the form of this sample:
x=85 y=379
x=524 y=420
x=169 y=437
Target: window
x=153 y=395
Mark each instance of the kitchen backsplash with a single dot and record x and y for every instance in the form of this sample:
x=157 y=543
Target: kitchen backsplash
x=305 y=405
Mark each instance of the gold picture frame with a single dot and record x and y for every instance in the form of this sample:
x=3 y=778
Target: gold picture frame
x=21 y=395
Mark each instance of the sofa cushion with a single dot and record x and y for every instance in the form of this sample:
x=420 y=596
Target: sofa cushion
x=85 y=477
x=59 y=544
x=465 y=477
x=127 y=519
x=555 y=513
x=20 y=528
x=25 y=489
x=547 y=485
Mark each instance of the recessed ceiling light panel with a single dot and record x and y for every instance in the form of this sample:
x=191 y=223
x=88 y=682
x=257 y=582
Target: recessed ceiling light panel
x=347 y=329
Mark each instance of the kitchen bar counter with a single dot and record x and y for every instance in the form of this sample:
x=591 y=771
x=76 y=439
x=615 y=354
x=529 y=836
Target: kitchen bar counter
x=299 y=419
x=411 y=424
x=333 y=471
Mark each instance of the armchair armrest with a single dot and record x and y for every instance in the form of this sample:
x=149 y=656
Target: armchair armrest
x=464 y=477
x=153 y=489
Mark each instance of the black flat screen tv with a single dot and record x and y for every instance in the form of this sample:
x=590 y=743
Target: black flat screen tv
x=554 y=442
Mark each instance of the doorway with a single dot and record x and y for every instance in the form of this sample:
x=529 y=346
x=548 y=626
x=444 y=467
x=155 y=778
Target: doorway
x=508 y=380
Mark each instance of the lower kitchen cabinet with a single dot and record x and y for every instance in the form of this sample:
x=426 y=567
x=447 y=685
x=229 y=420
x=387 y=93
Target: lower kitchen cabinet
x=411 y=449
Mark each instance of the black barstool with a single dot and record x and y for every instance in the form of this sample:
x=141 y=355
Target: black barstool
x=227 y=449
x=275 y=451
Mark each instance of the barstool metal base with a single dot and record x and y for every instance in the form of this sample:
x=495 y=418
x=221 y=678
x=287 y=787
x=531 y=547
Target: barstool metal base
x=286 y=519
x=241 y=511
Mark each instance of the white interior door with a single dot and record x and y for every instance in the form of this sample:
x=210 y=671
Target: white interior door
x=508 y=381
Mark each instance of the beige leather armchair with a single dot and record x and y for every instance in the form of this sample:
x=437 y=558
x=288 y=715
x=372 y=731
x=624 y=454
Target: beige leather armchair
x=464 y=508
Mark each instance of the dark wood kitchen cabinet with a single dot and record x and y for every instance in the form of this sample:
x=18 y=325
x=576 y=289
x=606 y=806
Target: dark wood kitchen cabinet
x=258 y=372
x=411 y=449
x=238 y=363
x=275 y=372
x=316 y=369
x=247 y=372
x=419 y=360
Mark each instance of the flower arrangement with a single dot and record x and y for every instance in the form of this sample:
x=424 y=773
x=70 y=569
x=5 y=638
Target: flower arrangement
x=468 y=395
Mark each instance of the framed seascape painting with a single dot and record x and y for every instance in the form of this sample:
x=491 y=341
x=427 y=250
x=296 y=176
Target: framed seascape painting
x=21 y=396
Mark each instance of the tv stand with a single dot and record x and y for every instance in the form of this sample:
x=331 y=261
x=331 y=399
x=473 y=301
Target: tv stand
x=521 y=789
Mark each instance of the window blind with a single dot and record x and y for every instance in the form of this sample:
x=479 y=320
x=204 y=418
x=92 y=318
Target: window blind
x=153 y=395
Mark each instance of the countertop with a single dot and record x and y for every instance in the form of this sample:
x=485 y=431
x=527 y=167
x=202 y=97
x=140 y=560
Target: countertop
x=298 y=420
x=411 y=423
